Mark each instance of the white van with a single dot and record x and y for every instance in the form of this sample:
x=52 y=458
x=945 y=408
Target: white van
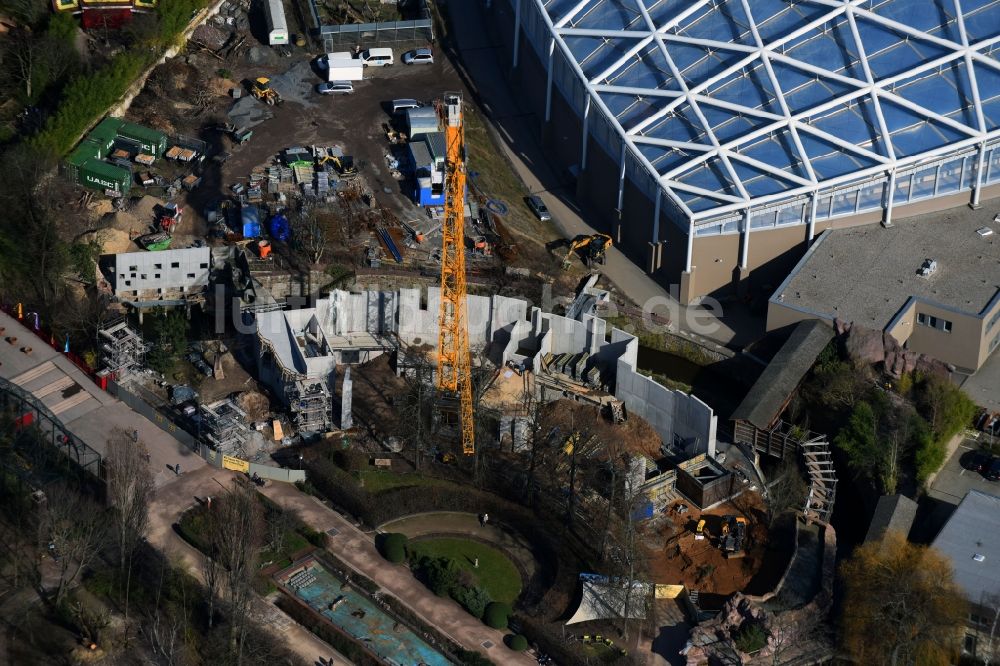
x=381 y=57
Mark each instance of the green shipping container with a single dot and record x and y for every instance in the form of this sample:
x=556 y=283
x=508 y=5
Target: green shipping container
x=98 y=175
x=105 y=133
x=88 y=150
x=151 y=141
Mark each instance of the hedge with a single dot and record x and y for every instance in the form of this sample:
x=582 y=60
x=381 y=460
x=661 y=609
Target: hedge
x=518 y=643
x=496 y=615
x=394 y=547
x=88 y=96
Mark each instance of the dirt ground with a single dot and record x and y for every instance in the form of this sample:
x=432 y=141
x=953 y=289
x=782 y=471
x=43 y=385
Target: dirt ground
x=676 y=557
x=190 y=95
x=636 y=436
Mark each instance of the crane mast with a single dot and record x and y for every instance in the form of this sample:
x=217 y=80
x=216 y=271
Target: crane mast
x=454 y=364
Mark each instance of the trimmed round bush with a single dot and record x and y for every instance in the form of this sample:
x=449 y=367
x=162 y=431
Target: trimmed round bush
x=496 y=615
x=394 y=547
x=518 y=643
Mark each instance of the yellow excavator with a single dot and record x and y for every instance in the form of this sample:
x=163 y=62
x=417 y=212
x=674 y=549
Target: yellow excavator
x=592 y=249
x=262 y=90
x=344 y=165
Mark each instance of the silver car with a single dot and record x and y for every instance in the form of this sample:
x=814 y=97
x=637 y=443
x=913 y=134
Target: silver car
x=537 y=207
x=335 y=88
x=419 y=57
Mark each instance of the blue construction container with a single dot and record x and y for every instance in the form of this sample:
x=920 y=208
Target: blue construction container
x=280 y=229
x=250 y=218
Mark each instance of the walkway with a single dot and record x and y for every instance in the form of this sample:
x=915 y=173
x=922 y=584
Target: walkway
x=357 y=549
x=480 y=64
x=168 y=504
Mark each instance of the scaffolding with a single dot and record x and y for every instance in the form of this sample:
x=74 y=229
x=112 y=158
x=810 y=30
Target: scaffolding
x=122 y=349
x=311 y=404
x=224 y=427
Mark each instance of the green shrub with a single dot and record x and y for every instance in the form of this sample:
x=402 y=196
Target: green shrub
x=472 y=658
x=394 y=547
x=438 y=573
x=473 y=599
x=496 y=615
x=518 y=643
x=750 y=638
x=314 y=537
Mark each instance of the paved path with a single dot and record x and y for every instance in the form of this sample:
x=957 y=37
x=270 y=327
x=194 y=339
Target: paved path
x=357 y=549
x=174 y=499
x=480 y=63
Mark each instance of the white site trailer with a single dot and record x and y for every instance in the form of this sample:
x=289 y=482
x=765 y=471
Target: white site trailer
x=344 y=68
x=277 y=28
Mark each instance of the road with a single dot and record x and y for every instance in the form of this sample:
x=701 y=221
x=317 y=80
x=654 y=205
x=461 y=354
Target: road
x=357 y=549
x=953 y=481
x=482 y=69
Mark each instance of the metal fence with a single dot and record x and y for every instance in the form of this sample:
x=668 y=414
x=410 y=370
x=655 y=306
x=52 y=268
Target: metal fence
x=341 y=37
x=64 y=441
x=338 y=37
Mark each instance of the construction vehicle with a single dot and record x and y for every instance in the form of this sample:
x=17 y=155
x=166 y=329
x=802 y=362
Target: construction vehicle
x=169 y=217
x=699 y=531
x=262 y=90
x=734 y=533
x=239 y=135
x=454 y=362
x=344 y=165
x=592 y=249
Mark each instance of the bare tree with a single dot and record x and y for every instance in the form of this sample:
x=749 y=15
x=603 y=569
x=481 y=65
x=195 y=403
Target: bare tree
x=311 y=231
x=235 y=530
x=75 y=529
x=787 y=491
x=130 y=489
x=990 y=651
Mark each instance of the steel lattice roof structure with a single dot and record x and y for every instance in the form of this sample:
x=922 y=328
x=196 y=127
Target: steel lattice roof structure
x=733 y=104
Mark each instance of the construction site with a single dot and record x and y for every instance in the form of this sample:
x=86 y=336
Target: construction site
x=364 y=277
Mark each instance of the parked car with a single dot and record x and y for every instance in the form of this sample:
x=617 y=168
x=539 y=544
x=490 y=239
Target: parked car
x=335 y=88
x=993 y=472
x=419 y=57
x=537 y=207
x=400 y=105
x=976 y=461
x=377 y=57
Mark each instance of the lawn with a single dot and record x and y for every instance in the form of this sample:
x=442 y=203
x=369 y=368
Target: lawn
x=379 y=480
x=496 y=573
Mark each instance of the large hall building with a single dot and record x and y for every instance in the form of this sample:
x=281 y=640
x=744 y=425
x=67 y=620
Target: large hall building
x=716 y=139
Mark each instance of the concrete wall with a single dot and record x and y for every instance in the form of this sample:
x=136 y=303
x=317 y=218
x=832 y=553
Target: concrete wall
x=168 y=270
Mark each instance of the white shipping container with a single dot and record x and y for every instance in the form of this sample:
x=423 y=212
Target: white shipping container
x=277 y=28
x=343 y=69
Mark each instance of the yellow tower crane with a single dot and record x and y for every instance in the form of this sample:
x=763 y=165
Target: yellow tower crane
x=454 y=364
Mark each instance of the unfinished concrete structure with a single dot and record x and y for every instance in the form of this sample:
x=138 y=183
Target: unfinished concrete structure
x=168 y=277
x=347 y=328
x=705 y=482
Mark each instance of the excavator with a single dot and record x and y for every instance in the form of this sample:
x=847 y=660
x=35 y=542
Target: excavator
x=591 y=248
x=344 y=165
x=262 y=90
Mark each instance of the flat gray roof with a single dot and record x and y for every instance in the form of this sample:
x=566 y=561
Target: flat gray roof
x=866 y=274
x=971 y=540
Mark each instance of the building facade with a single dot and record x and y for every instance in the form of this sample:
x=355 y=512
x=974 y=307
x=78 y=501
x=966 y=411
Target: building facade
x=716 y=140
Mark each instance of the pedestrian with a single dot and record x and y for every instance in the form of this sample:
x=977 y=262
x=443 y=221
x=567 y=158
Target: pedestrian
x=475 y=563
x=177 y=469
x=482 y=521
x=135 y=435
x=486 y=519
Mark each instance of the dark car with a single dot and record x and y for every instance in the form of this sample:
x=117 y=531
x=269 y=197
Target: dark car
x=976 y=461
x=992 y=473
x=537 y=207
